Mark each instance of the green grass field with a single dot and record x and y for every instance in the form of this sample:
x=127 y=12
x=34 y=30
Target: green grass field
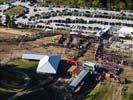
x=24 y=64
x=2 y=1
x=93 y=94
x=102 y=92
x=15 y=11
x=110 y=90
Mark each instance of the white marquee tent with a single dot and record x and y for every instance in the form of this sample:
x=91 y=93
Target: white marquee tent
x=32 y=56
x=103 y=31
x=47 y=64
x=125 y=31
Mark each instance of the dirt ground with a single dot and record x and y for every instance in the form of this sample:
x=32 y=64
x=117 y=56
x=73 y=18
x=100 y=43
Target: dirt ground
x=4 y=35
x=42 y=46
x=14 y=31
x=46 y=46
x=89 y=55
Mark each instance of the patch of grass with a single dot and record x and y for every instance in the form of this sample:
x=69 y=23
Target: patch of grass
x=112 y=90
x=129 y=57
x=93 y=94
x=128 y=96
x=101 y=92
x=25 y=64
x=109 y=92
x=5 y=94
x=2 y=1
x=18 y=10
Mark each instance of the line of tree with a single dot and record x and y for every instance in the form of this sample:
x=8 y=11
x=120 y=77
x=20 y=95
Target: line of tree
x=109 y=4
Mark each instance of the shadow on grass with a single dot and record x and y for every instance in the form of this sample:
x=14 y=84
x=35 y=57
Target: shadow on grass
x=129 y=81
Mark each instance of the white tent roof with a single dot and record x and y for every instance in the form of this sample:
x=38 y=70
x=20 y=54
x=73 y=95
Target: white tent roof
x=124 y=31
x=49 y=64
x=90 y=63
x=122 y=35
x=103 y=31
x=76 y=33
x=100 y=33
x=32 y=56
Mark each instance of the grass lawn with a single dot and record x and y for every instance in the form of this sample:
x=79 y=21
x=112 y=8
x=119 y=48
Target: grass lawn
x=129 y=57
x=2 y=1
x=4 y=94
x=129 y=96
x=101 y=92
x=128 y=73
x=112 y=90
x=28 y=67
x=15 y=11
x=94 y=93
x=25 y=64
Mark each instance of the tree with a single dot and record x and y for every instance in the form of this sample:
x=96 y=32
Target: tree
x=10 y=22
x=113 y=4
x=129 y=4
x=122 y=5
x=81 y=2
x=74 y=2
x=95 y=3
x=7 y=20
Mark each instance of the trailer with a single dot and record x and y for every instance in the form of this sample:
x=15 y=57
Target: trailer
x=88 y=67
x=78 y=80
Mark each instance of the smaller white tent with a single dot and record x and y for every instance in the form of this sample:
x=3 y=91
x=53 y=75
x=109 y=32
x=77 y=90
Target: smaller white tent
x=103 y=31
x=74 y=33
x=100 y=33
x=125 y=31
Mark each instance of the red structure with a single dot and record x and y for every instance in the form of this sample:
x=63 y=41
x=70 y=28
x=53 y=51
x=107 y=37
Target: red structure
x=73 y=70
x=72 y=62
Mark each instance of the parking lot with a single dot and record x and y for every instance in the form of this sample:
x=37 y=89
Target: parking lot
x=85 y=20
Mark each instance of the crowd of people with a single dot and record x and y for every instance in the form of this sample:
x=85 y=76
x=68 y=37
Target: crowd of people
x=112 y=58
